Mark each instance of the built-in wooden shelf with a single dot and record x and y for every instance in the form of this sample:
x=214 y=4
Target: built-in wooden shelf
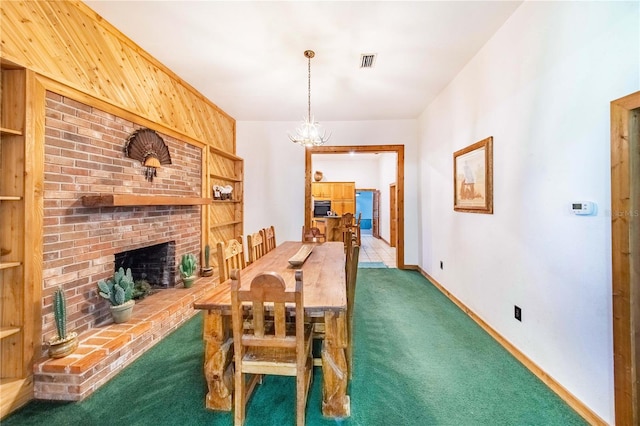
x=227 y=178
x=117 y=200
x=6 y=131
x=226 y=201
x=9 y=198
x=221 y=224
x=8 y=331
x=6 y=265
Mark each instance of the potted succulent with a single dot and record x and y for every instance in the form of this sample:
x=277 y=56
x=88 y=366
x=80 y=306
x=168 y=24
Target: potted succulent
x=65 y=343
x=119 y=292
x=188 y=268
x=207 y=270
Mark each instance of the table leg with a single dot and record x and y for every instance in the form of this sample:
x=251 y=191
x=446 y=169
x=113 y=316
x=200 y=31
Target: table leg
x=218 y=354
x=335 y=401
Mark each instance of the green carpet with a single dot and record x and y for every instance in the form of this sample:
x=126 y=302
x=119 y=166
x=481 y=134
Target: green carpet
x=419 y=360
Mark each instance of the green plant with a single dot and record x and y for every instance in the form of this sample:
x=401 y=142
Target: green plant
x=141 y=289
x=60 y=313
x=207 y=251
x=119 y=289
x=188 y=265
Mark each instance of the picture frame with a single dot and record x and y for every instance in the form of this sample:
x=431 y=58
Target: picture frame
x=473 y=178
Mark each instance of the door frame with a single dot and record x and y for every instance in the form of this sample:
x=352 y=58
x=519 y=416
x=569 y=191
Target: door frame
x=369 y=149
x=393 y=215
x=625 y=243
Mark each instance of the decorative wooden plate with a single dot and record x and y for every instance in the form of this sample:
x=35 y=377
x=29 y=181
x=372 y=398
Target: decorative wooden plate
x=302 y=254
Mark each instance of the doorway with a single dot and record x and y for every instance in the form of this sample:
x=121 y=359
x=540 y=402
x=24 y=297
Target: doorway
x=364 y=210
x=625 y=243
x=371 y=149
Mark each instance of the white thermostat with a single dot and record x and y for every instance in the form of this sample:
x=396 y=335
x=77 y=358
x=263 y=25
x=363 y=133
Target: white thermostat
x=583 y=208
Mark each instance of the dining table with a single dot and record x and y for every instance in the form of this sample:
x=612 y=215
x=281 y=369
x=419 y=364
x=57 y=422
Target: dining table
x=324 y=296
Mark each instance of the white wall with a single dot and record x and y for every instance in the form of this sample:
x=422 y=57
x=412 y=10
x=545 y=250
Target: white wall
x=541 y=87
x=387 y=175
x=274 y=172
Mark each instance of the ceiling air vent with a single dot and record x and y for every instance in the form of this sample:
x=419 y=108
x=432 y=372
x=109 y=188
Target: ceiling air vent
x=367 y=60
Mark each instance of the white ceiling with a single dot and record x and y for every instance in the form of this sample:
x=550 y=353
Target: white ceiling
x=247 y=56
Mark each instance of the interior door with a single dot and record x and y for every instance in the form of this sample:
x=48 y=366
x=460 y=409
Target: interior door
x=375 y=222
x=393 y=215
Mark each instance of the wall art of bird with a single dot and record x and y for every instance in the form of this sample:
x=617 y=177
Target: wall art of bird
x=146 y=146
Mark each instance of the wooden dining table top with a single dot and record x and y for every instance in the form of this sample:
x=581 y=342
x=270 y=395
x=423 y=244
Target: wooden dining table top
x=323 y=278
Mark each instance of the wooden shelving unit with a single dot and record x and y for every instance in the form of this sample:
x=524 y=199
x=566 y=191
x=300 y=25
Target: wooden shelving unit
x=224 y=219
x=16 y=312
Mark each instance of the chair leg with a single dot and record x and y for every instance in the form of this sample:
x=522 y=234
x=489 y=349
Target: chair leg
x=238 y=415
x=301 y=398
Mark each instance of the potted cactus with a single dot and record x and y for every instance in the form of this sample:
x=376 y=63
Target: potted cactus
x=207 y=270
x=188 y=268
x=119 y=292
x=65 y=343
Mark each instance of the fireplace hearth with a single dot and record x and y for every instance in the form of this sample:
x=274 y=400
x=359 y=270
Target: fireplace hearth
x=156 y=264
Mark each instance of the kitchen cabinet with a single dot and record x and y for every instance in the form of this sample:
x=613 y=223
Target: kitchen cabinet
x=341 y=194
x=322 y=190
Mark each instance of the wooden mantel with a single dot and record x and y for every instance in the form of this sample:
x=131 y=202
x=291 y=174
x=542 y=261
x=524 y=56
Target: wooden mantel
x=116 y=200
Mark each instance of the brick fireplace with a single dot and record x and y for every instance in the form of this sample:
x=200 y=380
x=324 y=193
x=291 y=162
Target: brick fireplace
x=155 y=264
x=84 y=156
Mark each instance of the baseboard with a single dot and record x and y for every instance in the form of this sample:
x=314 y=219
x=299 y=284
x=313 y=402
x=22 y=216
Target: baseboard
x=577 y=405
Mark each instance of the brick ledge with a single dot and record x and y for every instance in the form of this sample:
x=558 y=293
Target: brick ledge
x=104 y=351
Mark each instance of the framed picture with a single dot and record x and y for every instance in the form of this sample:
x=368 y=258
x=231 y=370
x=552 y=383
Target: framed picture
x=473 y=178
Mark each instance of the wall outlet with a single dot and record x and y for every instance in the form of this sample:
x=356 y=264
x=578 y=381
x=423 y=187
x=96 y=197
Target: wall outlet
x=517 y=312
x=441 y=265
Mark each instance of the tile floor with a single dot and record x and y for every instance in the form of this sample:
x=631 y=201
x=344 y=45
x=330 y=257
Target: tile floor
x=376 y=250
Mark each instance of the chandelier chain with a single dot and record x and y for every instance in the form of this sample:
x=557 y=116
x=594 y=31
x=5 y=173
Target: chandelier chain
x=309 y=87
x=309 y=133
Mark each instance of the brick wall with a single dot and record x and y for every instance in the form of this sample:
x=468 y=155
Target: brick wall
x=84 y=156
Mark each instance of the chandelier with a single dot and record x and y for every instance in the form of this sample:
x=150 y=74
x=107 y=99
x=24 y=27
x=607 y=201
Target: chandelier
x=309 y=133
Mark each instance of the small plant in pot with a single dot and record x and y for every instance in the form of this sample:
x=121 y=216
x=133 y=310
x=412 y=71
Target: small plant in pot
x=119 y=292
x=188 y=268
x=65 y=343
x=207 y=270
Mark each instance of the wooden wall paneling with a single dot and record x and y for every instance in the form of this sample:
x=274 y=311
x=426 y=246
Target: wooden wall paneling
x=69 y=43
x=625 y=205
x=34 y=217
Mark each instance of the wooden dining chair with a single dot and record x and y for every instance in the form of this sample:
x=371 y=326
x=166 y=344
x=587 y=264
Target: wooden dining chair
x=312 y=235
x=346 y=228
x=230 y=256
x=270 y=238
x=270 y=346
x=357 y=230
x=256 y=246
x=352 y=275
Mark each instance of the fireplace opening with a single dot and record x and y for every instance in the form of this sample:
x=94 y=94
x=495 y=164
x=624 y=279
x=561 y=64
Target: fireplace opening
x=156 y=264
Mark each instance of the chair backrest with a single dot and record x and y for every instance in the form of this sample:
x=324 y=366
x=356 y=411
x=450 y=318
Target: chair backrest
x=357 y=230
x=312 y=235
x=256 y=246
x=270 y=238
x=267 y=290
x=352 y=275
x=230 y=256
x=346 y=220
